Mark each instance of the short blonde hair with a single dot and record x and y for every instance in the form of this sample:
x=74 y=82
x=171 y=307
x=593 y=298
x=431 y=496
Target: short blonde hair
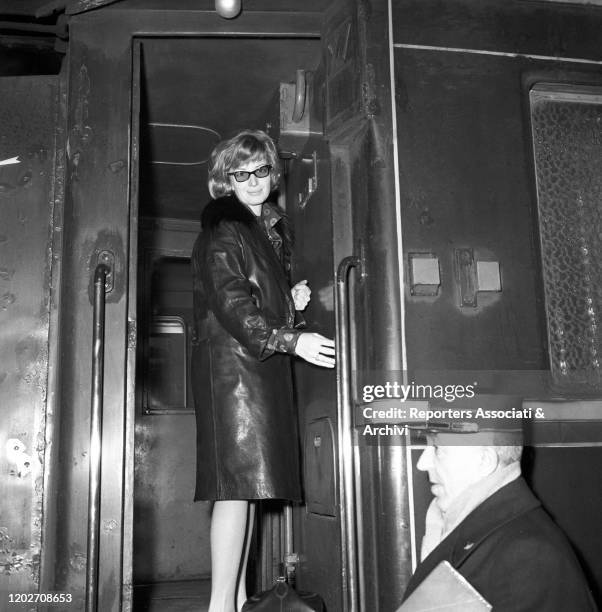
x=246 y=146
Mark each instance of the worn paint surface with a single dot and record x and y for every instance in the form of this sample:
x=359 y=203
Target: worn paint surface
x=27 y=132
x=95 y=216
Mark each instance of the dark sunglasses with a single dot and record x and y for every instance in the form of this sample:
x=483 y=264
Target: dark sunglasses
x=240 y=176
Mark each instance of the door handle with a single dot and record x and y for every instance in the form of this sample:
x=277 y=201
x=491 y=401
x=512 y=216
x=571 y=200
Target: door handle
x=345 y=424
x=103 y=278
x=300 y=92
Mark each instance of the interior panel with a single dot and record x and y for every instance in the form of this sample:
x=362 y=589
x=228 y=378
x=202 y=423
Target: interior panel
x=230 y=84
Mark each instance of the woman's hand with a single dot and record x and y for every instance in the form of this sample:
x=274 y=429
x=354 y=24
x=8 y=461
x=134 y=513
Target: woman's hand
x=301 y=295
x=316 y=349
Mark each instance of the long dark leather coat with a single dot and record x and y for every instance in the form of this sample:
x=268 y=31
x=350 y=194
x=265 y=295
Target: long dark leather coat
x=512 y=552
x=247 y=437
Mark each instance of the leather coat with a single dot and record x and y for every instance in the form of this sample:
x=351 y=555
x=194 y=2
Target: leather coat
x=512 y=552
x=247 y=436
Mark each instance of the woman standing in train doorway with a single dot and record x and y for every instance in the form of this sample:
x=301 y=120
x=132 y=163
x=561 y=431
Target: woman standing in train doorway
x=244 y=308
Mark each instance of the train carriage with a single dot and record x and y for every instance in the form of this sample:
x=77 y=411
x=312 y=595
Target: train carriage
x=442 y=165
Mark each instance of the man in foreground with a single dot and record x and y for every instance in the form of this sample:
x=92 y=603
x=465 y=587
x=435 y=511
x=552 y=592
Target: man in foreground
x=489 y=526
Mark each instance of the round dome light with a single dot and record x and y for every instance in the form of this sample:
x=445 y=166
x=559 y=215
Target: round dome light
x=228 y=9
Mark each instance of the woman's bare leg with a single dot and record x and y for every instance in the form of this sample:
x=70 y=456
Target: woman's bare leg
x=228 y=530
x=241 y=595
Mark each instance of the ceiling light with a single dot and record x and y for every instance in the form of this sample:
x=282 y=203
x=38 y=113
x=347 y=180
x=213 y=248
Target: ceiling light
x=228 y=9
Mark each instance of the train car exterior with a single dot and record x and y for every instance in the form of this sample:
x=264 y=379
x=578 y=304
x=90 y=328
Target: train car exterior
x=442 y=175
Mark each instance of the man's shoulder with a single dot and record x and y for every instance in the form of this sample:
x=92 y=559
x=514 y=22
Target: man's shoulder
x=513 y=502
x=514 y=554
x=532 y=534
x=514 y=529
x=525 y=562
x=514 y=508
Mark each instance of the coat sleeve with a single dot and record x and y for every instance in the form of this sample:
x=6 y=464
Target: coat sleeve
x=230 y=296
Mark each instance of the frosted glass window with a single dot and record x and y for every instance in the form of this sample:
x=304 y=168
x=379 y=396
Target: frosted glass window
x=567 y=143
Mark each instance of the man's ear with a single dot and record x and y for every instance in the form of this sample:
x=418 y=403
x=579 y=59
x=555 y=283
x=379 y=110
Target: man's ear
x=489 y=460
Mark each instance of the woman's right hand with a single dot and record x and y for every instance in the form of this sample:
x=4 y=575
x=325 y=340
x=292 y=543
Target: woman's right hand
x=316 y=349
x=301 y=295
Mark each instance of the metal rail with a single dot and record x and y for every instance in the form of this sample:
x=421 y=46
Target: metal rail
x=300 y=93
x=346 y=454
x=100 y=278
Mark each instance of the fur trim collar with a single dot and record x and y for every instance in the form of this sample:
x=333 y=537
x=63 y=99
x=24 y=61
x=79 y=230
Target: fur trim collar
x=227 y=208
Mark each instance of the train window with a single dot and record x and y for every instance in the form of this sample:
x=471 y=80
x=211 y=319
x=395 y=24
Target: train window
x=165 y=381
x=165 y=311
x=567 y=145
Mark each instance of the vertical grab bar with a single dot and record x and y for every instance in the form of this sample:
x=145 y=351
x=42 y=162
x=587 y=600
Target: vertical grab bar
x=345 y=454
x=100 y=278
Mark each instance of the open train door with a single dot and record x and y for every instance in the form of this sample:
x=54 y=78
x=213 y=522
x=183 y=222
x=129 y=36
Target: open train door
x=64 y=250
x=101 y=220
x=97 y=321
x=353 y=533
x=317 y=524
x=30 y=229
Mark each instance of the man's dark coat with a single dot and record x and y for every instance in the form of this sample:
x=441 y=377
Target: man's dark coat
x=511 y=551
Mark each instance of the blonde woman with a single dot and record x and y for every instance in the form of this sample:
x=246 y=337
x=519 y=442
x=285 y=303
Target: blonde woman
x=245 y=314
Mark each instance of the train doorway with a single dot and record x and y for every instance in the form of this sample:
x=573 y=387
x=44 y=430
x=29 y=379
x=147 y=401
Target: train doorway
x=437 y=128
x=231 y=83
x=138 y=81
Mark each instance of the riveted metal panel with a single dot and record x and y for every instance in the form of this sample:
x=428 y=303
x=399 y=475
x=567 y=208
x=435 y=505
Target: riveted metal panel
x=27 y=133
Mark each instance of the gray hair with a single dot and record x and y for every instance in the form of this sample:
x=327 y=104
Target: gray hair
x=509 y=454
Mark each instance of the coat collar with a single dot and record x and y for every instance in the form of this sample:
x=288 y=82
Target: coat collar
x=227 y=208
x=504 y=506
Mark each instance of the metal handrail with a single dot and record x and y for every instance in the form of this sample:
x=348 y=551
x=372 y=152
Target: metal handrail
x=345 y=454
x=100 y=277
x=300 y=94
